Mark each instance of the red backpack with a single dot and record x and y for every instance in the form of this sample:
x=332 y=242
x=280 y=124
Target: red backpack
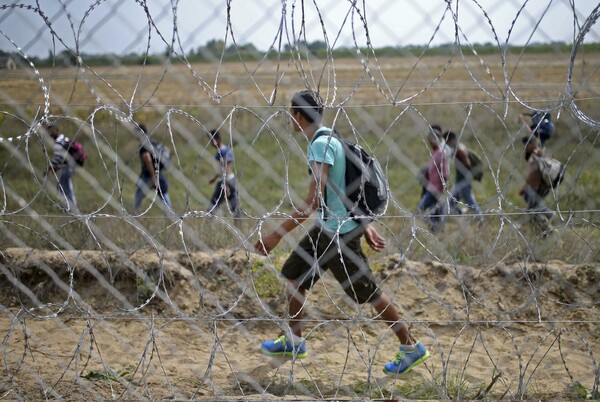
x=76 y=150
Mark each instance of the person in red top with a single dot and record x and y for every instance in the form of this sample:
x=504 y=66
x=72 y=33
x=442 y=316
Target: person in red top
x=463 y=182
x=437 y=174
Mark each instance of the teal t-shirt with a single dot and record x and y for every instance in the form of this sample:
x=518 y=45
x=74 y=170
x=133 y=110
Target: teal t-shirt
x=329 y=150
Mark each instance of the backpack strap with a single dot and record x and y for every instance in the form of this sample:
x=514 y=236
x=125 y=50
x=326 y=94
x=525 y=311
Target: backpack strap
x=318 y=134
x=334 y=186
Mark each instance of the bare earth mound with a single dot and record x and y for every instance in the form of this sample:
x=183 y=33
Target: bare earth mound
x=106 y=325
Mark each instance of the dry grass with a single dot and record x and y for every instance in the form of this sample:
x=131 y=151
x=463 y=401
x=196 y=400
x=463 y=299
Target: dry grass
x=476 y=95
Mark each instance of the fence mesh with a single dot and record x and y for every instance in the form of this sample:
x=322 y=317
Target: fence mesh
x=120 y=284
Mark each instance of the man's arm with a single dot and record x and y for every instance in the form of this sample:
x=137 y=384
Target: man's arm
x=225 y=165
x=462 y=156
x=229 y=168
x=524 y=121
x=147 y=159
x=374 y=239
x=310 y=204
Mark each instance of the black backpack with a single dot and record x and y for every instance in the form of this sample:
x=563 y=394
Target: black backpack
x=541 y=124
x=366 y=195
x=160 y=153
x=476 y=164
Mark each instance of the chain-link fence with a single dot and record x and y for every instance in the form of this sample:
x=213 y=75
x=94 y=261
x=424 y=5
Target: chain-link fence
x=136 y=272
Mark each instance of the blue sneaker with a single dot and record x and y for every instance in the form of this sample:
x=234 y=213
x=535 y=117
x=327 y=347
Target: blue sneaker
x=406 y=359
x=281 y=347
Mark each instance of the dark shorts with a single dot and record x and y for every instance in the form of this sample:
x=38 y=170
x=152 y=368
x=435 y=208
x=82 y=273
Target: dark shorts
x=230 y=193
x=320 y=251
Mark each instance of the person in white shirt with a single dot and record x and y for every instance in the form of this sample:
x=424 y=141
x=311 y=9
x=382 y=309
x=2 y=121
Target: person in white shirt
x=63 y=165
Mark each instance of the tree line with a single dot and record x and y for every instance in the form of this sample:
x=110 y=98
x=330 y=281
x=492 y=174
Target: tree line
x=218 y=50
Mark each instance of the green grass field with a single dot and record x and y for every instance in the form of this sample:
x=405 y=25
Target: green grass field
x=388 y=112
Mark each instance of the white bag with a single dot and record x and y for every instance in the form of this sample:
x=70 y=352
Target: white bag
x=551 y=169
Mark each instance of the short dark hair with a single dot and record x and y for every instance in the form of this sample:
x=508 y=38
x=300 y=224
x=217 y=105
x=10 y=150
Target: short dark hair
x=214 y=135
x=437 y=129
x=143 y=128
x=309 y=104
x=449 y=135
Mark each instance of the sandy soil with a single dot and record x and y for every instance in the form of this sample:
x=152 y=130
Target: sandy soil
x=94 y=325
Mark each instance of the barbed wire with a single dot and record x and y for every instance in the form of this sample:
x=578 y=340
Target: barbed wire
x=103 y=297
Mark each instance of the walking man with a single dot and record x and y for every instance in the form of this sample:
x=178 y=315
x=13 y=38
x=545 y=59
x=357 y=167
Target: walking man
x=437 y=174
x=63 y=165
x=333 y=243
x=534 y=190
x=463 y=181
x=226 y=183
x=152 y=177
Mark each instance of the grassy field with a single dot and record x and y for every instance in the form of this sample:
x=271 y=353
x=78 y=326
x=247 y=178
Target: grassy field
x=386 y=109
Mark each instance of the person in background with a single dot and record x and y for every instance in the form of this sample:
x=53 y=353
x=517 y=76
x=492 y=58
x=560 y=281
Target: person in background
x=437 y=173
x=534 y=190
x=152 y=177
x=540 y=126
x=463 y=181
x=63 y=165
x=334 y=244
x=423 y=174
x=226 y=183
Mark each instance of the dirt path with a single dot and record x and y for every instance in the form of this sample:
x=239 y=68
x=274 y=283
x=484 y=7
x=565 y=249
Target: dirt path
x=526 y=330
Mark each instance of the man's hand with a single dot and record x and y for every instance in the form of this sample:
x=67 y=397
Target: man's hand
x=522 y=118
x=309 y=204
x=374 y=239
x=155 y=183
x=267 y=244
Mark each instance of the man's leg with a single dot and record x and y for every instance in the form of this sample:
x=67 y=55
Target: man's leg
x=65 y=188
x=541 y=214
x=535 y=202
x=296 y=300
x=217 y=197
x=411 y=352
x=442 y=209
x=469 y=198
x=142 y=188
x=166 y=205
x=387 y=312
x=301 y=271
x=163 y=193
x=428 y=202
x=454 y=199
x=167 y=200
x=438 y=215
x=233 y=198
x=354 y=274
x=290 y=345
